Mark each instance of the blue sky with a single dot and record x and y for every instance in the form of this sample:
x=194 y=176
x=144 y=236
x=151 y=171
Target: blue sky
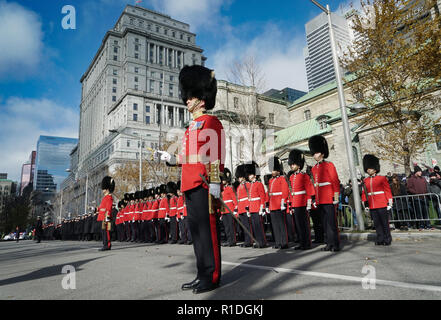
x=41 y=63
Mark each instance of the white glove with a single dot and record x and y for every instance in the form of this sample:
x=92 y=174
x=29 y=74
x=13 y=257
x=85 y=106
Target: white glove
x=220 y=218
x=366 y=209
x=215 y=190
x=390 y=204
x=133 y=220
x=167 y=219
x=389 y=208
x=248 y=214
x=308 y=207
x=335 y=202
x=107 y=219
x=291 y=212
x=282 y=205
x=267 y=210
x=182 y=218
x=162 y=155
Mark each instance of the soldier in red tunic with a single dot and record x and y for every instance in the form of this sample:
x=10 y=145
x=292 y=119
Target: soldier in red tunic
x=229 y=198
x=278 y=192
x=202 y=158
x=180 y=215
x=163 y=215
x=243 y=203
x=327 y=190
x=105 y=211
x=171 y=191
x=155 y=212
x=257 y=198
x=302 y=191
x=379 y=199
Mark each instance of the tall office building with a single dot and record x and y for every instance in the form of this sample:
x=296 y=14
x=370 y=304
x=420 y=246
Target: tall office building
x=52 y=160
x=287 y=94
x=318 y=53
x=27 y=172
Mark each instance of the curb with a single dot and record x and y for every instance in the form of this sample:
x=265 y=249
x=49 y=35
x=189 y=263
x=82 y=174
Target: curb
x=371 y=236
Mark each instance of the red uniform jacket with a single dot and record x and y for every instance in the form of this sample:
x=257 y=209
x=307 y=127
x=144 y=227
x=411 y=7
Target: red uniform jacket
x=242 y=197
x=155 y=209
x=131 y=212
x=257 y=196
x=149 y=212
x=203 y=142
x=229 y=197
x=164 y=209
x=118 y=217
x=326 y=182
x=138 y=211
x=378 y=190
x=105 y=208
x=180 y=207
x=144 y=211
x=301 y=189
x=173 y=207
x=278 y=191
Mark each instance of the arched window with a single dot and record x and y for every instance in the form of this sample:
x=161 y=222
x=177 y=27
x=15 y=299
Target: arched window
x=307 y=114
x=355 y=152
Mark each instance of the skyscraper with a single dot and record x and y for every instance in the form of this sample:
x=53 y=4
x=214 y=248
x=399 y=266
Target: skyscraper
x=52 y=160
x=27 y=172
x=318 y=53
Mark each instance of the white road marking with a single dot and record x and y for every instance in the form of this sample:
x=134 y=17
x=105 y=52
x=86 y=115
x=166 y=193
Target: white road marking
x=338 y=277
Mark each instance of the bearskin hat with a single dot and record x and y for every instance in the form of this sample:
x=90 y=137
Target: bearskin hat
x=240 y=171
x=171 y=187
x=236 y=185
x=162 y=188
x=275 y=164
x=296 y=157
x=371 y=162
x=131 y=196
x=198 y=82
x=252 y=168
x=158 y=190
x=138 y=195
x=226 y=175
x=126 y=197
x=108 y=183
x=121 y=204
x=318 y=144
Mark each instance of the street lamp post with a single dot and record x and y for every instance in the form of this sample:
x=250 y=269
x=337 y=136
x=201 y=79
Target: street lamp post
x=344 y=116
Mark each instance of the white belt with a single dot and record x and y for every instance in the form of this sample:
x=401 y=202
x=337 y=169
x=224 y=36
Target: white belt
x=298 y=192
x=243 y=199
x=228 y=201
x=180 y=208
x=322 y=184
x=172 y=208
x=254 y=199
x=162 y=209
x=376 y=192
x=276 y=194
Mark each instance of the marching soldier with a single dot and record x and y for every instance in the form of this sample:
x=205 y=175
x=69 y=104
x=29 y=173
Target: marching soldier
x=257 y=199
x=163 y=215
x=150 y=228
x=180 y=215
x=379 y=199
x=105 y=210
x=201 y=173
x=278 y=196
x=229 y=198
x=327 y=190
x=301 y=192
x=155 y=213
x=243 y=203
x=171 y=191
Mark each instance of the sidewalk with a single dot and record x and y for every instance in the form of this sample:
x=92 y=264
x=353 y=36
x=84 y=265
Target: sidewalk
x=396 y=235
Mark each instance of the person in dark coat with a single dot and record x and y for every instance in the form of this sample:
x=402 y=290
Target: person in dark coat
x=402 y=210
x=39 y=229
x=17 y=233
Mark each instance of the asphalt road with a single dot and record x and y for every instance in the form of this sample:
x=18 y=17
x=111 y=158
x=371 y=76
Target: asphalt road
x=409 y=269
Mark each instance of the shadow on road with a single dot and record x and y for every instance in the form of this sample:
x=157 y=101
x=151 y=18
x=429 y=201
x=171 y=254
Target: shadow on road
x=46 y=272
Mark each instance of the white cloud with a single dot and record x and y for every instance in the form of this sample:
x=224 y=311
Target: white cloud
x=23 y=121
x=21 y=40
x=279 y=54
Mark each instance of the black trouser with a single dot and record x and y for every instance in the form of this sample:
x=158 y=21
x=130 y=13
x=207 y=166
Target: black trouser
x=279 y=227
x=422 y=212
x=301 y=217
x=128 y=230
x=206 y=235
x=381 y=223
x=151 y=232
x=258 y=229
x=187 y=228
x=230 y=228
x=173 y=229
x=133 y=230
x=317 y=225
x=182 y=231
x=106 y=239
x=329 y=217
x=162 y=230
x=246 y=222
x=290 y=228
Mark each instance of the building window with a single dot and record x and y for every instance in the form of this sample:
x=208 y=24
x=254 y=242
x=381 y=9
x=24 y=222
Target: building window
x=135 y=117
x=147 y=109
x=172 y=78
x=307 y=114
x=113 y=98
x=136 y=70
x=147 y=119
x=170 y=90
x=115 y=58
x=136 y=79
x=157 y=29
x=131 y=21
x=114 y=80
x=128 y=143
x=322 y=123
x=136 y=47
x=136 y=87
x=189 y=39
x=115 y=50
x=135 y=106
x=271 y=118
x=438 y=136
x=114 y=90
x=152 y=86
x=181 y=36
x=136 y=55
x=136 y=39
x=160 y=88
x=115 y=72
x=173 y=34
x=236 y=102
x=166 y=32
x=355 y=152
x=115 y=42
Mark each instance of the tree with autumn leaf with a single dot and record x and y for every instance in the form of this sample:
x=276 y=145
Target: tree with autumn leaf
x=396 y=64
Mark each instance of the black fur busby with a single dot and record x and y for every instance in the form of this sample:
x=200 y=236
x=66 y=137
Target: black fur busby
x=371 y=162
x=145 y=193
x=171 y=187
x=126 y=197
x=162 y=188
x=226 y=175
x=121 y=204
x=131 y=196
x=198 y=82
x=318 y=144
x=138 y=195
x=240 y=171
x=236 y=185
x=108 y=183
x=158 y=190
x=275 y=164
x=296 y=157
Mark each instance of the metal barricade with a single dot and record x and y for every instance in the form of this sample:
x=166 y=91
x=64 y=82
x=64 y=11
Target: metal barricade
x=345 y=217
x=414 y=210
